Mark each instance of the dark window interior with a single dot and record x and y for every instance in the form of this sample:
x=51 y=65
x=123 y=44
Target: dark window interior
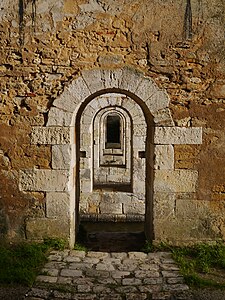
x=113 y=131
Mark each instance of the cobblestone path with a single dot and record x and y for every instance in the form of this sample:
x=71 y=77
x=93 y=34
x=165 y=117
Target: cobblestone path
x=101 y=275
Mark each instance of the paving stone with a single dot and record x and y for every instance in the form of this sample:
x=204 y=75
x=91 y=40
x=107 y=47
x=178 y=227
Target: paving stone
x=36 y=292
x=149 y=266
x=175 y=287
x=84 y=297
x=91 y=260
x=144 y=274
x=121 y=255
x=83 y=288
x=71 y=273
x=169 y=267
x=153 y=281
x=106 y=281
x=72 y=259
x=111 y=260
x=64 y=280
x=112 y=296
x=50 y=272
x=49 y=279
x=94 y=273
x=137 y=255
x=100 y=288
x=120 y=274
x=35 y=298
x=149 y=288
x=134 y=296
x=99 y=255
x=78 y=253
x=161 y=296
x=80 y=266
x=55 y=265
x=126 y=289
x=55 y=257
x=84 y=280
x=171 y=274
x=175 y=280
x=131 y=281
x=167 y=261
x=61 y=295
x=105 y=267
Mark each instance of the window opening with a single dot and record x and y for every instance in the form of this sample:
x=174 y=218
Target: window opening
x=113 y=131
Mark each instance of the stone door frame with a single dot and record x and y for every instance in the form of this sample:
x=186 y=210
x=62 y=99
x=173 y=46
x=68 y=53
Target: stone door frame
x=62 y=133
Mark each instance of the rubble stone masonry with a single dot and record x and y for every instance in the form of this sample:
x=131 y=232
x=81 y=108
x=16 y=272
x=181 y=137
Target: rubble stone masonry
x=58 y=56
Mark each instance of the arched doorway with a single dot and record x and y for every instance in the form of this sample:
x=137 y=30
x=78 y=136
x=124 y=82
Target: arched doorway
x=114 y=182
x=61 y=183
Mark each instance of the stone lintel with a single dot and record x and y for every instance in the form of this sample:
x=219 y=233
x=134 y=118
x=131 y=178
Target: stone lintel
x=178 y=135
x=177 y=181
x=50 y=135
x=41 y=180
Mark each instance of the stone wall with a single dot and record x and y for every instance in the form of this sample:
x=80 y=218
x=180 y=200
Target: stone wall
x=45 y=45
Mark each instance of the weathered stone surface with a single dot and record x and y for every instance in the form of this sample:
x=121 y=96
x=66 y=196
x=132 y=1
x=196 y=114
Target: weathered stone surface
x=61 y=157
x=57 y=204
x=52 y=59
x=164 y=157
x=38 y=229
x=71 y=273
x=178 y=181
x=50 y=135
x=58 y=117
x=146 y=89
x=178 y=135
x=43 y=180
x=157 y=101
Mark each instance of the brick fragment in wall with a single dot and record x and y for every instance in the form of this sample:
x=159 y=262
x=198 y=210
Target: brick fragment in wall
x=43 y=180
x=178 y=135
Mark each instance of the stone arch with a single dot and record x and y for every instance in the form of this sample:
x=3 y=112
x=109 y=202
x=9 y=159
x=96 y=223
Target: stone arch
x=62 y=132
x=153 y=101
x=95 y=82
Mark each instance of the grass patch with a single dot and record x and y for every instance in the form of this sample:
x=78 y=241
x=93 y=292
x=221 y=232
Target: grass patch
x=80 y=247
x=20 y=263
x=202 y=265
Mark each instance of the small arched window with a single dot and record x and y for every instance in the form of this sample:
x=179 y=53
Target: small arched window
x=113 y=131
